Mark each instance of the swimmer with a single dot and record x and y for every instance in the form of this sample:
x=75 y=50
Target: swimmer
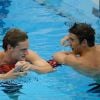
x=17 y=59
x=85 y=54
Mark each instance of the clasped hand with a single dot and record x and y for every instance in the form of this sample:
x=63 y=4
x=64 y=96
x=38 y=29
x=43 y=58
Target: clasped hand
x=22 y=66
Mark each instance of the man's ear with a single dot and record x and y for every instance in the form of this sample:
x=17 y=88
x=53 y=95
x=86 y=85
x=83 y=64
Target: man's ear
x=84 y=43
x=9 y=47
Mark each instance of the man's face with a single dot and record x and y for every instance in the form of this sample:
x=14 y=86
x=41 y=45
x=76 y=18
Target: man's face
x=74 y=43
x=20 y=51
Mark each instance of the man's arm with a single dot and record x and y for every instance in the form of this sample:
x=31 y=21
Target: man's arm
x=68 y=59
x=11 y=74
x=38 y=64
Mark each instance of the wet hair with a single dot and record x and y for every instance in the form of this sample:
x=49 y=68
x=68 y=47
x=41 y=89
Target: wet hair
x=84 y=31
x=13 y=37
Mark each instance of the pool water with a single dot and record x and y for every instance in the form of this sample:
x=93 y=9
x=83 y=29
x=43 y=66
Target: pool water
x=46 y=22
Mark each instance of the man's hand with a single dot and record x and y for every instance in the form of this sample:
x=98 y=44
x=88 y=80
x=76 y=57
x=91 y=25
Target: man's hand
x=11 y=74
x=64 y=41
x=21 y=66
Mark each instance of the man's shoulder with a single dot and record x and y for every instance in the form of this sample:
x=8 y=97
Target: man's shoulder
x=98 y=48
x=32 y=54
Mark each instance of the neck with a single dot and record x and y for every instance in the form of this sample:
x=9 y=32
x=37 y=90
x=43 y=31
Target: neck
x=84 y=51
x=8 y=59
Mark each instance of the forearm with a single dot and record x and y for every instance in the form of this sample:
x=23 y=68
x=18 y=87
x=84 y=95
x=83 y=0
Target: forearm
x=41 y=69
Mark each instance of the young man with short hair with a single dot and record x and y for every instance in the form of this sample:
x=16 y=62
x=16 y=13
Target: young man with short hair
x=85 y=55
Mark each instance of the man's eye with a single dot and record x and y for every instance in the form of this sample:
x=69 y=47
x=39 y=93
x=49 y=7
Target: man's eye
x=22 y=49
x=71 y=39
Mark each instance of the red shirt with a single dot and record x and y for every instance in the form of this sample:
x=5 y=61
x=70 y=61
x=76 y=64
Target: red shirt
x=6 y=68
